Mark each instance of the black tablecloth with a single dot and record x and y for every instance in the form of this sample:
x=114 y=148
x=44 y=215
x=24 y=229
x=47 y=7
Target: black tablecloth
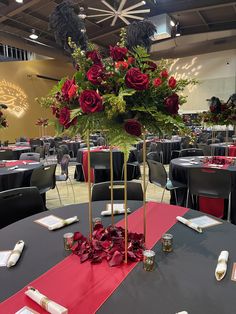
x=182 y=280
x=18 y=151
x=73 y=146
x=219 y=149
x=11 y=179
x=167 y=146
x=179 y=172
x=118 y=161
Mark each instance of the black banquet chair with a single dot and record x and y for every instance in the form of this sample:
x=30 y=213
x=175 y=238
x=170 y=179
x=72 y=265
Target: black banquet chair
x=159 y=177
x=212 y=183
x=188 y=152
x=100 y=162
x=44 y=179
x=30 y=156
x=102 y=191
x=19 y=203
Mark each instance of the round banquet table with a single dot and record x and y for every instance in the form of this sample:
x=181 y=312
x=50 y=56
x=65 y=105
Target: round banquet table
x=182 y=280
x=167 y=146
x=15 y=178
x=17 y=150
x=179 y=168
x=118 y=161
x=222 y=149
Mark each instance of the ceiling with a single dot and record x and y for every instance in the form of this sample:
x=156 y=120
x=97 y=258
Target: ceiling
x=205 y=25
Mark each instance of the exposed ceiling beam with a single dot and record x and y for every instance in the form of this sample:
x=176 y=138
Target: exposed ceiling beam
x=15 y=9
x=208 y=7
x=102 y=33
x=202 y=18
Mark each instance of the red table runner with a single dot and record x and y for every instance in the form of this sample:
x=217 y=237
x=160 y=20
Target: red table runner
x=18 y=162
x=85 y=163
x=83 y=288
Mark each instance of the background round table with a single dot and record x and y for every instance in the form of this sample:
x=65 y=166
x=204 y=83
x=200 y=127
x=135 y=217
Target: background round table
x=182 y=280
x=118 y=161
x=17 y=150
x=19 y=177
x=179 y=168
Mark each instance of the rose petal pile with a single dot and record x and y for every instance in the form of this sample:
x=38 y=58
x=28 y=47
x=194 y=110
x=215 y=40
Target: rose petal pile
x=109 y=244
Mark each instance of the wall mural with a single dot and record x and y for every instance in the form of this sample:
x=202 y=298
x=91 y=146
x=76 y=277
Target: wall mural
x=14 y=97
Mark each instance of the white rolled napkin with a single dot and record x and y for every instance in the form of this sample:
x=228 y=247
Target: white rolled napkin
x=221 y=267
x=63 y=223
x=189 y=224
x=115 y=212
x=50 y=306
x=16 y=253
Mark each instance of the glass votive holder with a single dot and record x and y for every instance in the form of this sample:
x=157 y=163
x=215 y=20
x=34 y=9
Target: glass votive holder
x=167 y=242
x=148 y=260
x=97 y=221
x=68 y=240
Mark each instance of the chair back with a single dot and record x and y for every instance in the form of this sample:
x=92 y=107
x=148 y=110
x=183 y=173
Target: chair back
x=101 y=141
x=19 y=203
x=6 y=154
x=102 y=191
x=157 y=173
x=44 y=178
x=100 y=159
x=153 y=156
x=205 y=148
x=191 y=152
x=214 y=183
x=30 y=156
x=152 y=147
x=65 y=165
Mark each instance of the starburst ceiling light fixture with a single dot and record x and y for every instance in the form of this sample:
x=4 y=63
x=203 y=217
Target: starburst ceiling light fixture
x=120 y=13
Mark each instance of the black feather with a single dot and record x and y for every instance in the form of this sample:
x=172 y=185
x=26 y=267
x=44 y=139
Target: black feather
x=139 y=33
x=64 y=22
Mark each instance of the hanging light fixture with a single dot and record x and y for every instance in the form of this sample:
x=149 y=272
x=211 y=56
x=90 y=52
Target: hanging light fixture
x=120 y=13
x=19 y=1
x=33 y=35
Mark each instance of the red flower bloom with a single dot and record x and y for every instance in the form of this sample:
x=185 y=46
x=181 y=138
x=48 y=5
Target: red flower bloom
x=133 y=127
x=122 y=65
x=136 y=79
x=164 y=74
x=118 y=53
x=157 y=82
x=90 y=101
x=72 y=91
x=66 y=87
x=172 y=82
x=172 y=104
x=94 y=56
x=130 y=60
x=55 y=111
x=64 y=117
x=95 y=74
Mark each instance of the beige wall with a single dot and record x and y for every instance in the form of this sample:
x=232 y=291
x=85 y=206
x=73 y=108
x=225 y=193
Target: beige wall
x=216 y=73
x=19 y=87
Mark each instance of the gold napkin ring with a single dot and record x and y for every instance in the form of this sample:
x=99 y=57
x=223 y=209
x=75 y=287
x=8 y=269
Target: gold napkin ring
x=44 y=303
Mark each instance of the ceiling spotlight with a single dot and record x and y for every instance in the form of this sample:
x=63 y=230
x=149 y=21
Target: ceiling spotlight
x=83 y=30
x=172 y=23
x=82 y=16
x=177 y=34
x=33 y=35
x=19 y=1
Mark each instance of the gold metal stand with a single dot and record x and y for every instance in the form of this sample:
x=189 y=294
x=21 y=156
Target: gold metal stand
x=111 y=186
x=144 y=186
x=125 y=204
x=89 y=190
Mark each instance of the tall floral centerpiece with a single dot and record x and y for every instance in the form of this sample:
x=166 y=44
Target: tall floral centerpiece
x=124 y=95
x=42 y=123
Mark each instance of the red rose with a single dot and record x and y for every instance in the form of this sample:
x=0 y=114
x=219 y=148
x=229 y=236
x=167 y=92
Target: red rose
x=72 y=91
x=172 y=82
x=95 y=74
x=136 y=79
x=94 y=56
x=172 y=104
x=157 y=82
x=122 y=65
x=72 y=122
x=133 y=127
x=66 y=87
x=164 y=74
x=64 y=117
x=55 y=111
x=118 y=53
x=90 y=101
x=130 y=60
